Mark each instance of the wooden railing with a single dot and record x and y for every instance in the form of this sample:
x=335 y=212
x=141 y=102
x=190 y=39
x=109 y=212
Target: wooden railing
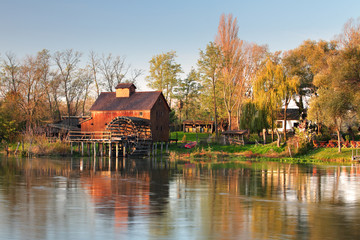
x=78 y=136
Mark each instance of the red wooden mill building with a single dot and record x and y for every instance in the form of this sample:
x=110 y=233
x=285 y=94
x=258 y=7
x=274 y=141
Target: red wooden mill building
x=149 y=110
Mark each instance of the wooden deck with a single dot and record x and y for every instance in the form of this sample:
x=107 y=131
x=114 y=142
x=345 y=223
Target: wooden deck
x=124 y=145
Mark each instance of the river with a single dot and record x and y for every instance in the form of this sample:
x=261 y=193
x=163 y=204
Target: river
x=162 y=199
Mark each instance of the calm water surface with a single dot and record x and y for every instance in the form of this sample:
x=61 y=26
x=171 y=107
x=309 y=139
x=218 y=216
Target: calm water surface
x=147 y=199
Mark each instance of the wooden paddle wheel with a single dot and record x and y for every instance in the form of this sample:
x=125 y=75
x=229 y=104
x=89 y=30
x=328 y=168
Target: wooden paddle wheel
x=134 y=133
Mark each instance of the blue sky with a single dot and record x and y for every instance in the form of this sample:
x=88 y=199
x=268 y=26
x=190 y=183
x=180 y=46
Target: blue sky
x=139 y=29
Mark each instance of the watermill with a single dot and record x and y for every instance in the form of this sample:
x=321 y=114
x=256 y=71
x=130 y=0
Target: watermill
x=134 y=133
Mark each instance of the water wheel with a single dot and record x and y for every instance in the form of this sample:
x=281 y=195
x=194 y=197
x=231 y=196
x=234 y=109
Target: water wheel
x=131 y=131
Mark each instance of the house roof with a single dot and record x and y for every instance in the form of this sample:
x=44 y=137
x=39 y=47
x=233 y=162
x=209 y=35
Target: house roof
x=124 y=85
x=197 y=122
x=107 y=101
x=234 y=132
x=291 y=114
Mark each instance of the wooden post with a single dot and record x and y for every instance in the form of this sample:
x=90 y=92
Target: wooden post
x=71 y=148
x=167 y=147
x=116 y=163
x=124 y=150
x=117 y=150
x=88 y=149
x=82 y=149
x=162 y=143
x=155 y=148
x=109 y=149
x=101 y=149
x=94 y=149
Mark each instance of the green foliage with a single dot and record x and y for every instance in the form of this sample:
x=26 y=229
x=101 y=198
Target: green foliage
x=164 y=74
x=188 y=94
x=253 y=118
x=301 y=143
x=190 y=136
x=210 y=63
x=8 y=129
x=173 y=117
x=266 y=90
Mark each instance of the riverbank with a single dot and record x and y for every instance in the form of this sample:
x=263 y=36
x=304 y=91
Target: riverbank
x=205 y=150
x=261 y=152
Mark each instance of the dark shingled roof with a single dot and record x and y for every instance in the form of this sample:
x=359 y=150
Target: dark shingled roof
x=137 y=101
x=124 y=85
x=291 y=114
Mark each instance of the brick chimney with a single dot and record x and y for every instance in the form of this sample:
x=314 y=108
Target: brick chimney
x=124 y=90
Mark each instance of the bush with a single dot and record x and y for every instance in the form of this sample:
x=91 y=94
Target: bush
x=301 y=143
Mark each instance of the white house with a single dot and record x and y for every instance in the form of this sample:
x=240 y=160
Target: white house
x=293 y=118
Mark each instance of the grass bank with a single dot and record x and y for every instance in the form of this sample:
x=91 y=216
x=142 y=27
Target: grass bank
x=38 y=146
x=213 y=150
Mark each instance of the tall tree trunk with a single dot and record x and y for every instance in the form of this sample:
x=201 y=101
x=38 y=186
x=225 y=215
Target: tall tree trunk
x=339 y=140
x=215 y=110
x=278 y=137
x=338 y=128
x=264 y=135
x=230 y=122
x=285 y=119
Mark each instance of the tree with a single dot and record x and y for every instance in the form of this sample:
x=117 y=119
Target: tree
x=233 y=80
x=10 y=72
x=113 y=70
x=94 y=66
x=188 y=93
x=210 y=64
x=266 y=91
x=134 y=74
x=164 y=74
x=67 y=63
x=338 y=84
x=84 y=81
x=288 y=86
x=307 y=60
x=33 y=73
x=253 y=119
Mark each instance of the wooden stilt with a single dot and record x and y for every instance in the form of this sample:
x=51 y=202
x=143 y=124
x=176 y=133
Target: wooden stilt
x=82 y=149
x=109 y=149
x=162 y=143
x=71 y=147
x=94 y=149
x=124 y=150
x=117 y=150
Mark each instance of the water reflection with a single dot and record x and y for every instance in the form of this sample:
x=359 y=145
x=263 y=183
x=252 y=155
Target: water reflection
x=155 y=199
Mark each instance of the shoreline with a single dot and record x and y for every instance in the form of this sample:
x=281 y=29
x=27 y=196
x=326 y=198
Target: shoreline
x=207 y=152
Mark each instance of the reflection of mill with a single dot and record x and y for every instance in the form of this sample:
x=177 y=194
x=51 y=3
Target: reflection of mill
x=124 y=135
x=133 y=190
